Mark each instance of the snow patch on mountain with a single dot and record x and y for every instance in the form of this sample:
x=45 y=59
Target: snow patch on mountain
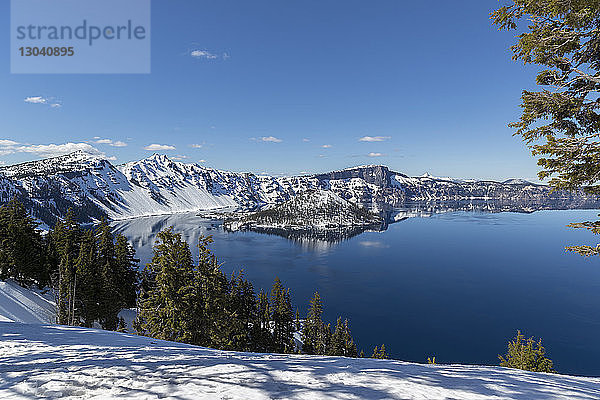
x=517 y=182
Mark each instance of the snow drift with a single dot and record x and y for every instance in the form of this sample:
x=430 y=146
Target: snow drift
x=51 y=361
x=18 y=304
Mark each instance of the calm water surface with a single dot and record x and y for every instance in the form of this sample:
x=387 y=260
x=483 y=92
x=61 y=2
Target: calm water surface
x=455 y=285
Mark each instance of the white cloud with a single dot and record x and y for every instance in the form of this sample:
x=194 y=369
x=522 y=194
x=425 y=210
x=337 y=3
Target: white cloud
x=204 y=54
x=110 y=142
x=104 y=141
x=272 y=139
x=46 y=150
x=327 y=146
x=51 y=101
x=196 y=146
x=159 y=147
x=375 y=155
x=374 y=138
x=36 y=100
x=8 y=147
x=53 y=150
x=201 y=161
x=305 y=140
x=180 y=158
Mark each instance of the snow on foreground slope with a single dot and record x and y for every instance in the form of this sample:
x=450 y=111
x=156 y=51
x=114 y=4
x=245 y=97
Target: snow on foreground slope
x=52 y=361
x=18 y=304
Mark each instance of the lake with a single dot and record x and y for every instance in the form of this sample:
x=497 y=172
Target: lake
x=455 y=285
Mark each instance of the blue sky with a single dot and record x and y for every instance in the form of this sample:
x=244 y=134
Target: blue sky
x=290 y=87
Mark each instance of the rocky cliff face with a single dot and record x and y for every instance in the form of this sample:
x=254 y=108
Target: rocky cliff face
x=95 y=188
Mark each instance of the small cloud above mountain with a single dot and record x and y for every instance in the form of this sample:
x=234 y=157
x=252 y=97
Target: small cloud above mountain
x=268 y=139
x=36 y=100
x=110 y=142
x=49 y=101
x=159 y=147
x=203 y=54
x=374 y=138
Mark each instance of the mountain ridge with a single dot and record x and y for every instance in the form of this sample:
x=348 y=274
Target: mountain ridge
x=96 y=188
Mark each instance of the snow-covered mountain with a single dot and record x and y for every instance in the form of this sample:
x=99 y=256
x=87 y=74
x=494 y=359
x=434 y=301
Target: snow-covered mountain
x=516 y=182
x=95 y=188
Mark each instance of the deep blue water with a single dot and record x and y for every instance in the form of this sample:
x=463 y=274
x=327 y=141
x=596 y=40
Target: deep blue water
x=455 y=285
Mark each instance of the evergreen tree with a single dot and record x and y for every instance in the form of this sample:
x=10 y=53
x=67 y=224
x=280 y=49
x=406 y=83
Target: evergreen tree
x=561 y=120
x=122 y=327
x=324 y=344
x=88 y=296
x=243 y=306
x=199 y=305
x=350 y=345
x=172 y=306
x=282 y=317
x=215 y=323
x=314 y=333
x=380 y=353
x=261 y=330
x=126 y=266
x=111 y=304
x=527 y=355
x=341 y=343
x=22 y=255
x=337 y=345
x=65 y=244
